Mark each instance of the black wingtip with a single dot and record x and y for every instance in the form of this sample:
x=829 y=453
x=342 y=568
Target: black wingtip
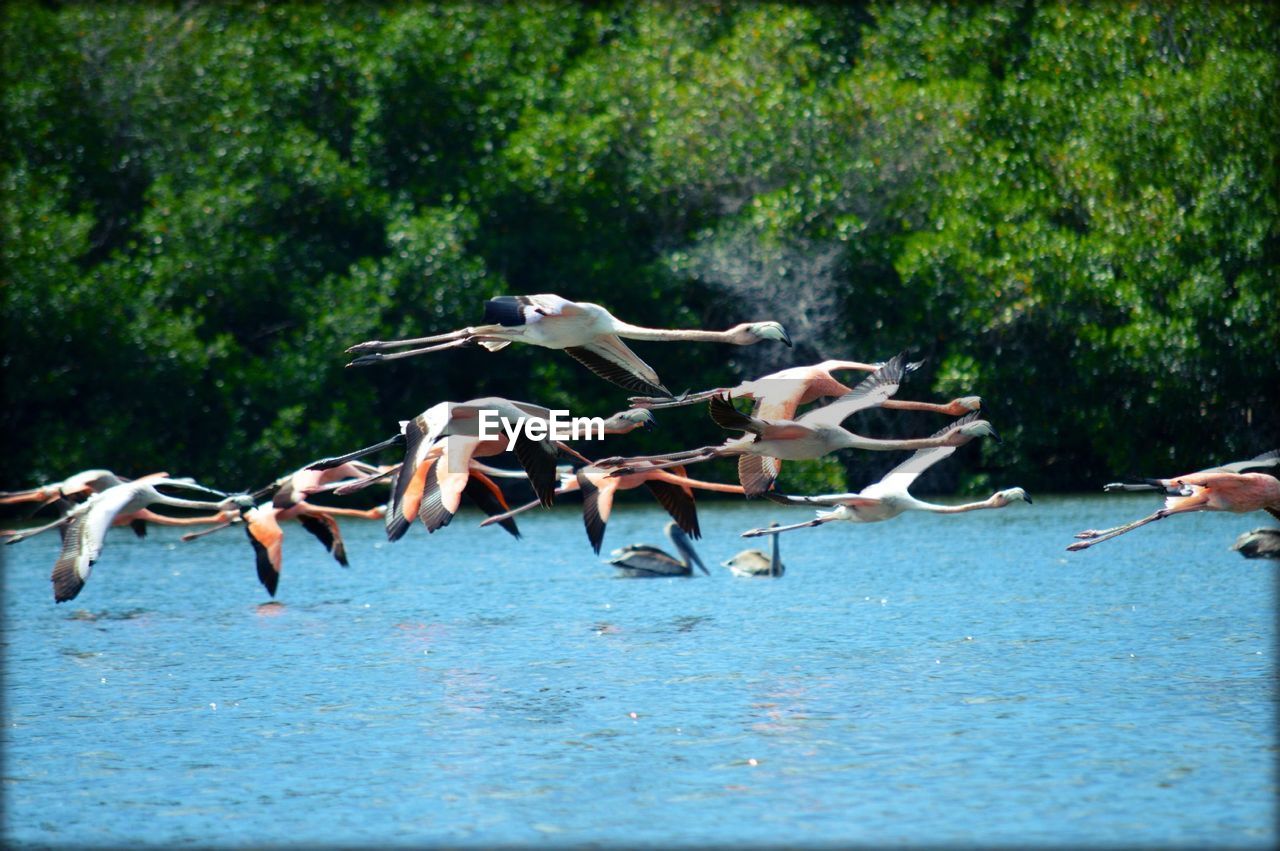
x=506 y=310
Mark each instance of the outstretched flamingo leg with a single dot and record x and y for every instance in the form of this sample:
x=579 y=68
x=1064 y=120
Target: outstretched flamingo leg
x=1097 y=537
x=383 y=345
x=775 y=530
x=378 y=357
x=659 y=402
x=705 y=454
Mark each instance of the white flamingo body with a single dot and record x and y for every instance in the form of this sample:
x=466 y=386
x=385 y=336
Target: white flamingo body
x=440 y=448
x=76 y=487
x=779 y=395
x=587 y=332
x=88 y=524
x=887 y=498
x=814 y=434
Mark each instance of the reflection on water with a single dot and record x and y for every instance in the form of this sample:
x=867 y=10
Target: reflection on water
x=927 y=680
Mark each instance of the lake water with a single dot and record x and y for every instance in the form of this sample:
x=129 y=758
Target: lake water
x=929 y=680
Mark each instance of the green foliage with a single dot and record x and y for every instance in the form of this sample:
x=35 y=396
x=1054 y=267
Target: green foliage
x=1066 y=208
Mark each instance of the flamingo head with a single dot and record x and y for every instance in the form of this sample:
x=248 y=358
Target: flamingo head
x=967 y=432
x=963 y=405
x=1009 y=495
x=629 y=420
x=236 y=503
x=751 y=333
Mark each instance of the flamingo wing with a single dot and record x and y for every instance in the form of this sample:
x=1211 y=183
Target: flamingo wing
x=611 y=359
x=83 y=539
x=326 y=530
x=900 y=478
x=515 y=310
x=406 y=491
x=678 y=502
x=266 y=537
x=850 y=499
x=725 y=415
x=872 y=391
x=538 y=458
x=597 y=505
x=757 y=473
x=1266 y=459
x=486 y=494
x=441 y=496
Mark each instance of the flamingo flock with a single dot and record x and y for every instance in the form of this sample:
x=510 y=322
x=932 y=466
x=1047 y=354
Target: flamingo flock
x=440 y=452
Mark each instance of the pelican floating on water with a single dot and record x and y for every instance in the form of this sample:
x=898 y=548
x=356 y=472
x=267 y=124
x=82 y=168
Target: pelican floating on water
x=1260 y=543
x=755 y=563
x=645 y=561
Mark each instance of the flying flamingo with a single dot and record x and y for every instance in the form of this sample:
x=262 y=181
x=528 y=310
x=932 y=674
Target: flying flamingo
x=644 y=561
x=1204 y=491
x=1262 y=462
x=64 y=495
x=448 y=433
x=135 y=520
x=586 y=332
x=87 y=524
x=813 y=435
x=779 y=395
x=289 y=502
x=674 y=491
x=262 y=525
x=751 y=563
x=480 y=488
x=888 y=497
x=76 y=488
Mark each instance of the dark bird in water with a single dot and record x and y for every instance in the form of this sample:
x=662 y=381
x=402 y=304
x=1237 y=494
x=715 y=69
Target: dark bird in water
x=756 y=563
x=647 y=561
x=1260 y=543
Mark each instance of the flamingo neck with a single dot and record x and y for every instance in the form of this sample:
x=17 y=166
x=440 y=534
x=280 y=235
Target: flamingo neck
x=932 y=407
x=697 y=335
x=992 y=501
x=850 y=440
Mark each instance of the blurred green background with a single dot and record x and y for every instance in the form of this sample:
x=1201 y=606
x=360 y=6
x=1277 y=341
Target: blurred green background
x=1069 y=209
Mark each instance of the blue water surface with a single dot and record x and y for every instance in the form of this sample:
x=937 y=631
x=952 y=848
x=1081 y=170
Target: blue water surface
x=929 y=680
